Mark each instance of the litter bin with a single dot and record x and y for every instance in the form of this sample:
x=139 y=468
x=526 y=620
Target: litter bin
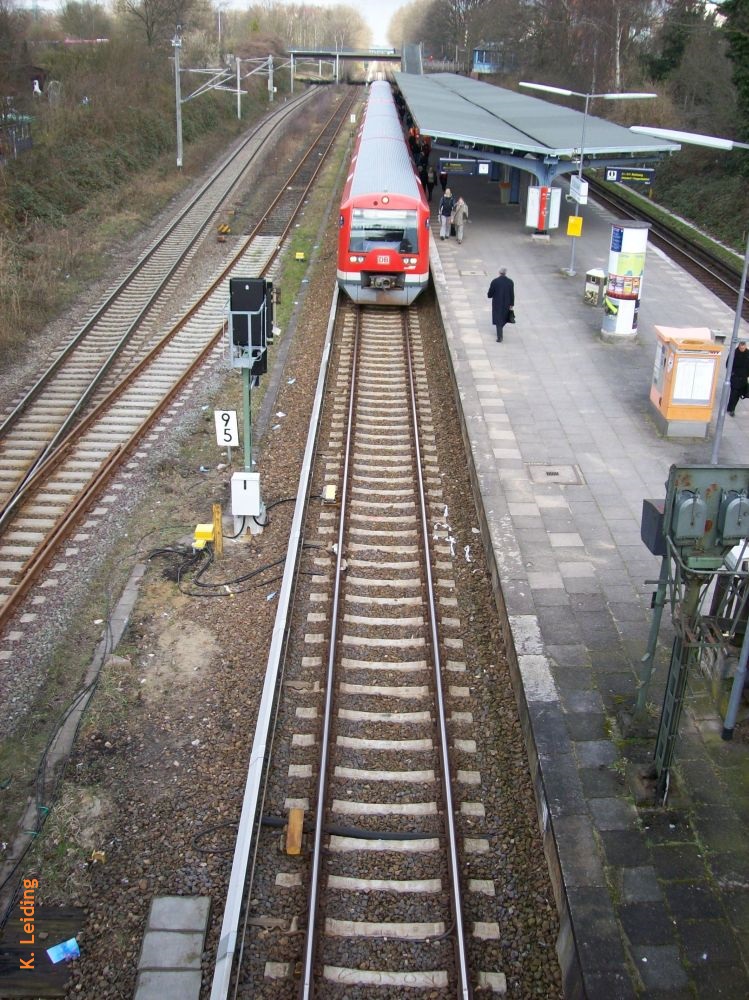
x=685 y=376
x=595 y=285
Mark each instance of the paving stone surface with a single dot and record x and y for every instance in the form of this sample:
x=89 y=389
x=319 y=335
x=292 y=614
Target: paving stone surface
x=655 y=897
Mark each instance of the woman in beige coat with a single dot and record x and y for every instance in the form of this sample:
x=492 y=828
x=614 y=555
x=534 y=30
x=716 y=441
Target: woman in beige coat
x=460 y=215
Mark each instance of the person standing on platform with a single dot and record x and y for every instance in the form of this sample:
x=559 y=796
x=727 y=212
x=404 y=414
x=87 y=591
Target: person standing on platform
x=502 y=293
x=460 y=217
x=424 y=177
x=447 y=204
x=443 y=180
x=431 y=181
x=739 y=376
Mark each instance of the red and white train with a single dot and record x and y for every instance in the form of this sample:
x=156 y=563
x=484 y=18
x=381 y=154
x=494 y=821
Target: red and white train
x=383 y=237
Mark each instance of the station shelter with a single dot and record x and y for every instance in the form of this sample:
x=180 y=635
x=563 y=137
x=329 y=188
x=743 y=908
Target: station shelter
x=518 y=142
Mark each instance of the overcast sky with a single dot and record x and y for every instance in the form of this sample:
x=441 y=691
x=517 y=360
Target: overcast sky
x=376 y=13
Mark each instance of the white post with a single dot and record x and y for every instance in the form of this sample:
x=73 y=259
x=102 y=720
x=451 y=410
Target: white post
x=176 y=44
x=239 y=89
x=723 y=407
x=571 y=268
x=270 y=78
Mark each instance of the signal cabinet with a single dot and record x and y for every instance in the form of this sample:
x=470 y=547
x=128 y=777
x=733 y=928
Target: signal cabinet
x=685 y=377
x=250 y=323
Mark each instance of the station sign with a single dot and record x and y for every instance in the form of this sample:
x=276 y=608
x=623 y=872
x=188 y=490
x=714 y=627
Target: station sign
x=579 y=189
x=542 y=208
x=465 y=168
x=627 y=175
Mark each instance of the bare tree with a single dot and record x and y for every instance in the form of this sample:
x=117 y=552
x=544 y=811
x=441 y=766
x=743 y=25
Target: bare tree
x=589 y=45
x=549 y=43
x=442 y=25
x=607 y=38
x=507 y=25
x=84 y=20
x=161 y=18
x=701 y=85
x=151 y=15
x=311 y=26
x=14 y=54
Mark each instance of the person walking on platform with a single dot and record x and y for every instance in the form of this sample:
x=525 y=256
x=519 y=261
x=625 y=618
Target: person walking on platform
x=739 y=376
x=502 y=293
x=443 y=179
x=460 y=217
x=447 y=204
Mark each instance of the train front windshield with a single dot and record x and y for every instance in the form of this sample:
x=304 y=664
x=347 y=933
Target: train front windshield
x=373 y=228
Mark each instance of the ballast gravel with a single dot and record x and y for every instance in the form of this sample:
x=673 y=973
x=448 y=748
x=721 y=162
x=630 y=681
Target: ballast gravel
x=154 y=785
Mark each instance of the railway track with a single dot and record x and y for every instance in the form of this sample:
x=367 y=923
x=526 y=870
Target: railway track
x=375 y=740
x=118 y=333
x=59 y=476
x=711 y=270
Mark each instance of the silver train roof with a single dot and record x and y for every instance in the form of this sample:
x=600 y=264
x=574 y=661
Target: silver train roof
x=383 y=163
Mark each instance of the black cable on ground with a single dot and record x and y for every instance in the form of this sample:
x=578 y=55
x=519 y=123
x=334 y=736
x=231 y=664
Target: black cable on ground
x=40 y=791
x=212 y=829
x=230 y=537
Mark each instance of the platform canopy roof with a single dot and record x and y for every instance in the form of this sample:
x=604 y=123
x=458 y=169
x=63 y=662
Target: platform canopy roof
x=471 y=113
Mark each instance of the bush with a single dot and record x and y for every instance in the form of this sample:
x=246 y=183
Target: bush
x=80 y=154
x=709 y=189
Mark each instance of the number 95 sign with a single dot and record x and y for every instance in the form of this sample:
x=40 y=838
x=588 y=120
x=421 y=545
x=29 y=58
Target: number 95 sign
x=227 y=430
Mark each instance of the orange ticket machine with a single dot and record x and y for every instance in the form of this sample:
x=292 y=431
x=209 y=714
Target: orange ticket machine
x=685 y=380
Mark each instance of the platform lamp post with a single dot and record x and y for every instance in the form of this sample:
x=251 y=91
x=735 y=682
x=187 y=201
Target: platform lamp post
x=177 y=45
x=219 y=8
x=588 y=98
x=713 y=142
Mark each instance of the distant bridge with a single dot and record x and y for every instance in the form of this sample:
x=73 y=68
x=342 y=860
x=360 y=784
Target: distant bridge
x=354 y=55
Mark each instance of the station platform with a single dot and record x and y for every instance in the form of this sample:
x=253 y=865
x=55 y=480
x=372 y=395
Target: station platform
x=654 y=899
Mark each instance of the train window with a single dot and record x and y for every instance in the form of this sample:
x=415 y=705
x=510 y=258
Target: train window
x=372 y=228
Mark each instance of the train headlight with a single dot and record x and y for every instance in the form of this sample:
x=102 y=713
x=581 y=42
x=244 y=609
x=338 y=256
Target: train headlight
x=385 y=200
x=352 y=260
x=359 y=260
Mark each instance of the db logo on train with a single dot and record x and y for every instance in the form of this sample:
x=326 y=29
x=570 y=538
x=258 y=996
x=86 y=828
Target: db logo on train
x=383 y=258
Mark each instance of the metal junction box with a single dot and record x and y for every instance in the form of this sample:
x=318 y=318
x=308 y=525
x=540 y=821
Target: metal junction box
x=689 y=517
x=706 y=513
x=245 y=494
x=733 y=517
x=651 y=526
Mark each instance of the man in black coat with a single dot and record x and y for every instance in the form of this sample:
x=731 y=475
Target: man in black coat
x=739 y=376
x=502 y=293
